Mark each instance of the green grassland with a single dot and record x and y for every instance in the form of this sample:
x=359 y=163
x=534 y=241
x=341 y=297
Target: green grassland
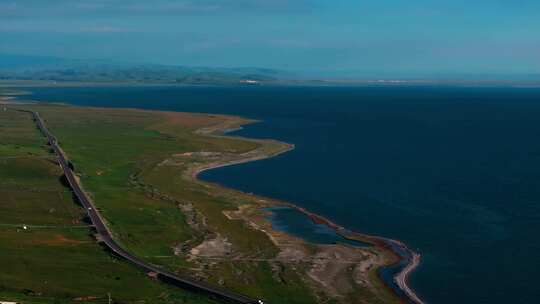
x=56 y=259
x=118 y=155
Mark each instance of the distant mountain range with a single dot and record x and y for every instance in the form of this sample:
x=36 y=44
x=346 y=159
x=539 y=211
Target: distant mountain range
x=43 y=68
x=22 y=67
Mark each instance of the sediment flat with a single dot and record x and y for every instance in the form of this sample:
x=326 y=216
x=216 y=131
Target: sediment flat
x=401 y=278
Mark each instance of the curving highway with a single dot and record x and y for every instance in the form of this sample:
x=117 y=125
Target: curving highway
x=105 y=234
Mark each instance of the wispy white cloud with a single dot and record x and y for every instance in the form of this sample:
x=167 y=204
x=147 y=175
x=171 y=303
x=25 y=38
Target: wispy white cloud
x=108 y=29
x=10 y=9
x=141 y=7
x=29 y=8
x=123 y=16
x=48 y=28
x=290 y=43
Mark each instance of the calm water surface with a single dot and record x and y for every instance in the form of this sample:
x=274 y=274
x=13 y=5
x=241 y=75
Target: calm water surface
x=453 y=172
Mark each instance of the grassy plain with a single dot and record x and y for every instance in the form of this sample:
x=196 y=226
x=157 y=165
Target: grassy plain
x=138 y=167
x=56 y=260
x=118 y=153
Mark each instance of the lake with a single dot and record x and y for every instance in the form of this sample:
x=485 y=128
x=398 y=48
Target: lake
x=454 y=172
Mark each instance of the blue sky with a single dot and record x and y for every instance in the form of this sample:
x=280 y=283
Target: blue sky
x=348 y=38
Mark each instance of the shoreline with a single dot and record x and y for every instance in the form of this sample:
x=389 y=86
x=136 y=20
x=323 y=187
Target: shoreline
x=195 y=173
x=224 y=131
x=401 y=278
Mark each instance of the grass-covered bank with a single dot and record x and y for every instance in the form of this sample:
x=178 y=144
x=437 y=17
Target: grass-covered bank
x=56 y=259
x=139 y=168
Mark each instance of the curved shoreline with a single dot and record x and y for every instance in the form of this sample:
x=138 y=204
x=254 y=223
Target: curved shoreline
x=412 y=259
x=216 y=165
x=400 y=278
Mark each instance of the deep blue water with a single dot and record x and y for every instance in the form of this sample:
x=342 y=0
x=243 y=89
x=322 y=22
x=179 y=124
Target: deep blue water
x=453 y=172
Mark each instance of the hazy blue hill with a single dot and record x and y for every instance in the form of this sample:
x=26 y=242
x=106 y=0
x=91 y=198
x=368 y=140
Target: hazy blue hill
x=18 y=62
x=22 y=67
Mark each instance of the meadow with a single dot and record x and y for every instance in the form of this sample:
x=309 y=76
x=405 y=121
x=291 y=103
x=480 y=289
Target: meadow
x=139 y=168
x=118 y=155
x=56 y=259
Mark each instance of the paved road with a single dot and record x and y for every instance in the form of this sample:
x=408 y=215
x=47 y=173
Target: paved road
x=106 y=236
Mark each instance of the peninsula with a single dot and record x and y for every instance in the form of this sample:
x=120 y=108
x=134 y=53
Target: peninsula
x=139 y=172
